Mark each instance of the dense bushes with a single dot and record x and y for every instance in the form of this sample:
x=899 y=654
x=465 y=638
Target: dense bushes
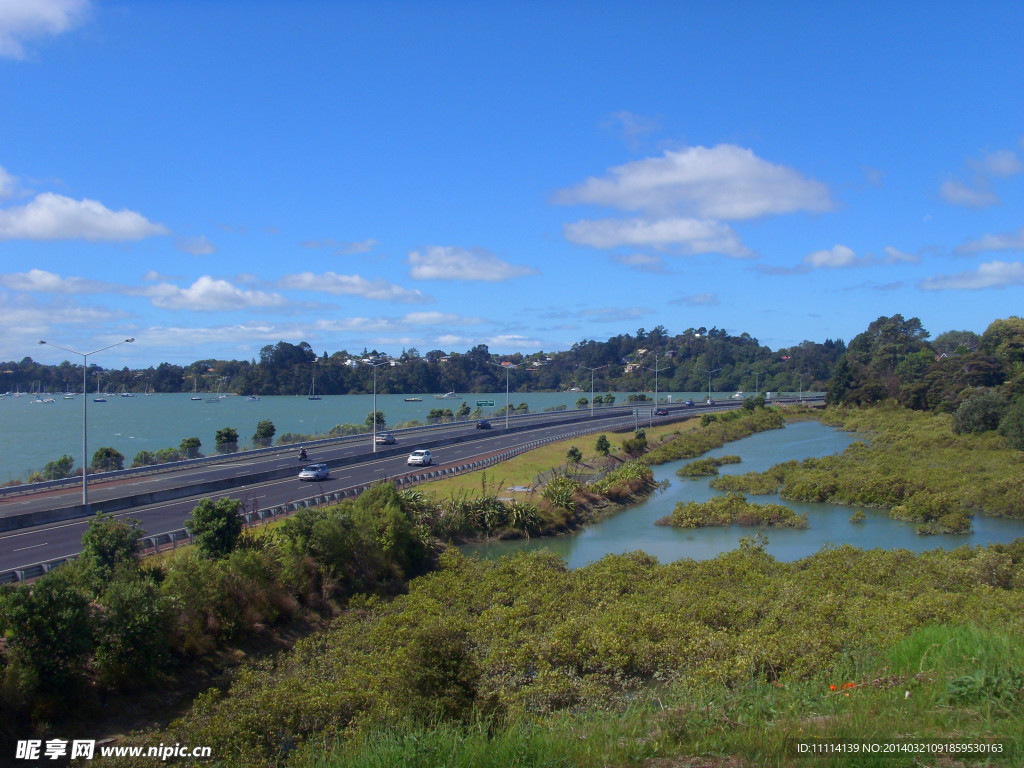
x=525 y=637
x=706 y=467
x=108 y=621
x=907 y=468
x=731 y=509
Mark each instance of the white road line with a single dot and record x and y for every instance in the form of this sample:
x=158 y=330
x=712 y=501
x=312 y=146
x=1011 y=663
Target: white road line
x=22 y=549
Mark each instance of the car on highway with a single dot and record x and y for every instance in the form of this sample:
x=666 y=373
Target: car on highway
x=384 y=438
x=689 y=403
x=315 y=472
x=420 y=457
x=483 y=424
x=661 y=412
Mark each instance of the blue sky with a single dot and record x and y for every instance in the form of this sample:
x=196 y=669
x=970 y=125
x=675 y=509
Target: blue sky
x=212 y=177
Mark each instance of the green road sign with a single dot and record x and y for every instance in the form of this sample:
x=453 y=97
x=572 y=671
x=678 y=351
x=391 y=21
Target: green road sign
x=484 y=403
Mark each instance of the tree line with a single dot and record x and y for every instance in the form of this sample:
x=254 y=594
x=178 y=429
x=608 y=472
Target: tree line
x=643 y=361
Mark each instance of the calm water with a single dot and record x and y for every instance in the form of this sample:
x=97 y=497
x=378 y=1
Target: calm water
x=633 y=529
x=35 y=433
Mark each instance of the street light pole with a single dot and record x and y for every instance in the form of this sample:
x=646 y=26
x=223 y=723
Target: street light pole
x=507 y=368
x=716 y=370
x=600 y=367
x=373 y=416
x=85 y=399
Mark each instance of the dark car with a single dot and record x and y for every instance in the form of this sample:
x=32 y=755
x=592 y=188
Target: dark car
x=661 y=412
x=483 y=424
x=689 y=403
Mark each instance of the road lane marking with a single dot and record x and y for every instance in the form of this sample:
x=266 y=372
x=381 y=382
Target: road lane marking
x=22 y=549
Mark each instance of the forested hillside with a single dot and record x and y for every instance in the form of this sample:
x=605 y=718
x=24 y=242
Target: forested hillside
x=627 y=362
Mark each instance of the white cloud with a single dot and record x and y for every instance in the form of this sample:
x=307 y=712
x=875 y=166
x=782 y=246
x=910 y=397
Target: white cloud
x=41 y=281
x=644 y=262
x=993 y=274
x=1002 y=162
x=343 y=247
x=437 y=318
x=957 y=193
x=197 y=246
x=352 y=285
x=690 y=236
x=55 y=217
x=8 y=184
x=1011 y=241
x=615 y=314
x=698 y=300
x=23 y=20
x=448 y=263
x=838 y=256
x=208 y=294
x=513 y=341
x=896 y=256
x=721 y=182
x=874 y=176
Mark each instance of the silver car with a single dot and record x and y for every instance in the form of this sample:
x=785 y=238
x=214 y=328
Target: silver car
x=315 y=472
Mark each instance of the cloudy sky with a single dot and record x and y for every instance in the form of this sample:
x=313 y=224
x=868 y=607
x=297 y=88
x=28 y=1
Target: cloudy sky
x=212 y=177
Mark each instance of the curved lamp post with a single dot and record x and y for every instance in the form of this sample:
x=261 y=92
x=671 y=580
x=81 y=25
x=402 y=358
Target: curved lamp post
x=85 y=399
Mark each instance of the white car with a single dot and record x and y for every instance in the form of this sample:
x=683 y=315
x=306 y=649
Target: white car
x=420 y=458
x=315 y=472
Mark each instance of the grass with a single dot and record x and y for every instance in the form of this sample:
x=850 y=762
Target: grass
x=522 y=470
x=902 y=699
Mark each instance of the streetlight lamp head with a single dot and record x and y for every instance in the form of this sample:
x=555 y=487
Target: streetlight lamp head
x=129 y=341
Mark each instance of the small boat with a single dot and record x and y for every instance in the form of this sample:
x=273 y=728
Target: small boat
x=738 y=395
x=253 y=398
x=414 y=399
x=447 y=396
x=99 y=398
x=195 y=395
x=312 y=388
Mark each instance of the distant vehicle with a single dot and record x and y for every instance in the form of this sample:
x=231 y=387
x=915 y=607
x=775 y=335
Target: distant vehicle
x=420 y=458
x=738 y=395
x=315 y=472
x=384 y=438
x=689 y=403
x=661 y=412
x=710 y=401
x=483 y=424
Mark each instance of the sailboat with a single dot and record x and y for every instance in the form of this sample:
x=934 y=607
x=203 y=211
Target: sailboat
x=312 y=388
x=217 y=396
x=195 y=395
x=99 y=398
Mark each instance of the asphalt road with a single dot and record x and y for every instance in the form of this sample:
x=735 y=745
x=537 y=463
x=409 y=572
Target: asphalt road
x=352 y=460
x=45 y=543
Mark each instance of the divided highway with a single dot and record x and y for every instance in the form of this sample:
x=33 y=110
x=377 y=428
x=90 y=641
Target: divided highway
x=161 y=501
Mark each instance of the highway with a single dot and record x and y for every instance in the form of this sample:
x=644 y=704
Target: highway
x=162 y=500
